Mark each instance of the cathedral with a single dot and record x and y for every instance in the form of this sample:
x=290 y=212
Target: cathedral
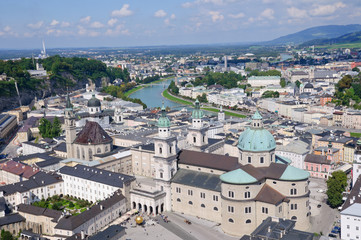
x=236 y=192
x=91 y=140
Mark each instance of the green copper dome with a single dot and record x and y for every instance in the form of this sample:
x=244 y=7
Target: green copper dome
x=197 y=112
x=163 y=120
x=256 y=138
x=237 y=176
x=294 y=174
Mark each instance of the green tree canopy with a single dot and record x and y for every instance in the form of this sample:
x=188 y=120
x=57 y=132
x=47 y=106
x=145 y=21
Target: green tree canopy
x=270 y=94
x=336 y=185
x=203 y=98
x=48 y=129
x=283 y=82
x=6 y=235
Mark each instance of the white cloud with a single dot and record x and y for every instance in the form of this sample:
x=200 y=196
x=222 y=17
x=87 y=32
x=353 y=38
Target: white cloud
x=112 y=21
x=238 y=15
x=93 y=34
x=54 y=22
x=160 y=13
x=123 y=12
x=216 y=16
x=65 y=24
x=167 y=21
x=198 y=2
x=118 y=30
x=7 y=29
x=267 y=13
x=297 y=13
x=36 y=25
x=172 y=16
x=324 y=10
x=85 y=19
x=97 y=25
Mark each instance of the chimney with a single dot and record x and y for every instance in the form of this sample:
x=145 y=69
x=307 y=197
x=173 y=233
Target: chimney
x=82 y=235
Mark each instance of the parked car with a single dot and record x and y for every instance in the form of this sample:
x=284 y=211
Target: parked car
x=2 y=156
x=319 y=205
x=331 y=235
x=336 y=230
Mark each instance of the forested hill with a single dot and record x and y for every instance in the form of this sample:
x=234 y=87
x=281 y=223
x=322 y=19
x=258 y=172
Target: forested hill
x=72 y=73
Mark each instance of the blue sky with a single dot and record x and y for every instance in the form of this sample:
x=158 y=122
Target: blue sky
x=115 y=23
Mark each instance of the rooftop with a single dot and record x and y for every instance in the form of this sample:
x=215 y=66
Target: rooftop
x=197 y=179
x=93 y=133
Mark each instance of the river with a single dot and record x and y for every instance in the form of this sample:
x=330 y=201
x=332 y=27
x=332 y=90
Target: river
x=152 y=95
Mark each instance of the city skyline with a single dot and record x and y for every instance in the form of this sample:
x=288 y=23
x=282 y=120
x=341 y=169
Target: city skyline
x=25 y=24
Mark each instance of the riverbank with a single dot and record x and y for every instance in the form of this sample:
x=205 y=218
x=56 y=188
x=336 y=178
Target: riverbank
x=172 y=98
x=133 y=90
x=225 y=112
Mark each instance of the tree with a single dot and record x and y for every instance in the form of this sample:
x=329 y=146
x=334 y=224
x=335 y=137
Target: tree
x=336 y=185
x=298 y=83
x=283 y=82
x=6 y=235
x=44 y=127
x=270 y=94
x=203 y=98
x=356 y=69
x=344 y=83
x=56 y=128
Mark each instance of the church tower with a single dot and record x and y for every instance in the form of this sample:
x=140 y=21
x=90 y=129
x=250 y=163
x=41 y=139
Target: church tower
x=118 y=115
x=70 y=132
x=221 y=115
x=165 y=157
x=197 y=134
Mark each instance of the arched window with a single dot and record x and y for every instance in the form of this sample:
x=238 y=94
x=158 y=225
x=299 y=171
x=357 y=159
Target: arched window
x=248 y=221
x=160 y=150
x=170 y=149
x=294 y=218
x=293 y=191
x=203 y=138
x=203 y=206
x=215 y=209
x=249 y=159
x=106 y=148
x=190 y=202
x=247 y=195
x=194 y=139
x=230 y=220
x=99 y=151
x=90 y=154
x=261 y=160
x=178 y=200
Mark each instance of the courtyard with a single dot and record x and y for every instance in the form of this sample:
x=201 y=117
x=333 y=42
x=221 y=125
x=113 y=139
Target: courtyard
x=71 y=204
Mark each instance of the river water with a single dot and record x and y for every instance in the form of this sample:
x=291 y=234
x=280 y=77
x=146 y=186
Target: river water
x=152 y=95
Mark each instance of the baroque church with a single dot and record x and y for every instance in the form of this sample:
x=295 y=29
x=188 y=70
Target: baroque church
x=236 y=192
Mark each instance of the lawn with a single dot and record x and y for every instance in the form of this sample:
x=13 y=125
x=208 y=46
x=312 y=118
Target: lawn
x=56 y=202
x=175 y=99
x=356 y=135
x=226 y=112
x=341 y=45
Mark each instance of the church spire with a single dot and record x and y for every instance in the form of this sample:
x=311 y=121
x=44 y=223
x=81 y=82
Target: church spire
x=68 y=103
x=257 y=120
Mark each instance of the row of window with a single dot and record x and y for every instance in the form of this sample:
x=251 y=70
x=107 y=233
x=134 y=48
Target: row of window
x=202 y=194
x=232 y=221
x=202 y=205
x=261 y=159
x=246 y=194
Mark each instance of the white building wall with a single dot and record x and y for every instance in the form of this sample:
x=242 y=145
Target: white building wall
x=350 y=227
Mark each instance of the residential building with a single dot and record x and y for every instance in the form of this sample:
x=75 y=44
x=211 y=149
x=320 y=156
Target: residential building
x=94 y=219
x=262 y=81
x=7 y=125
x=13 y=172
x=318 y=166
x=351 y=222
x=296 y=151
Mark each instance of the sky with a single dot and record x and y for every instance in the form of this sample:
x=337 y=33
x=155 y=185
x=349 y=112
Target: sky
x=116 y=23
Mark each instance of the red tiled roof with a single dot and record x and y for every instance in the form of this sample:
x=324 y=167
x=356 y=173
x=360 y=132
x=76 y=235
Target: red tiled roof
x=19 y=169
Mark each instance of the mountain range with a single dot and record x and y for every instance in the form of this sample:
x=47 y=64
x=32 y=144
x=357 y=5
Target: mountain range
x=314 y=33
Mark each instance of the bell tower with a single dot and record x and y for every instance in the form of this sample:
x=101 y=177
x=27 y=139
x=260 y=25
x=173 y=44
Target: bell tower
x=197 y=134
x=165 y=157
x=70 y=132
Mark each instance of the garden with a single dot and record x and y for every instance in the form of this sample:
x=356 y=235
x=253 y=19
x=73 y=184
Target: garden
x=71 y=204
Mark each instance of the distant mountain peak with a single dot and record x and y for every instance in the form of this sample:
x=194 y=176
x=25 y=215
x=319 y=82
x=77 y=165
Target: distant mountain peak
x=318 y=32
